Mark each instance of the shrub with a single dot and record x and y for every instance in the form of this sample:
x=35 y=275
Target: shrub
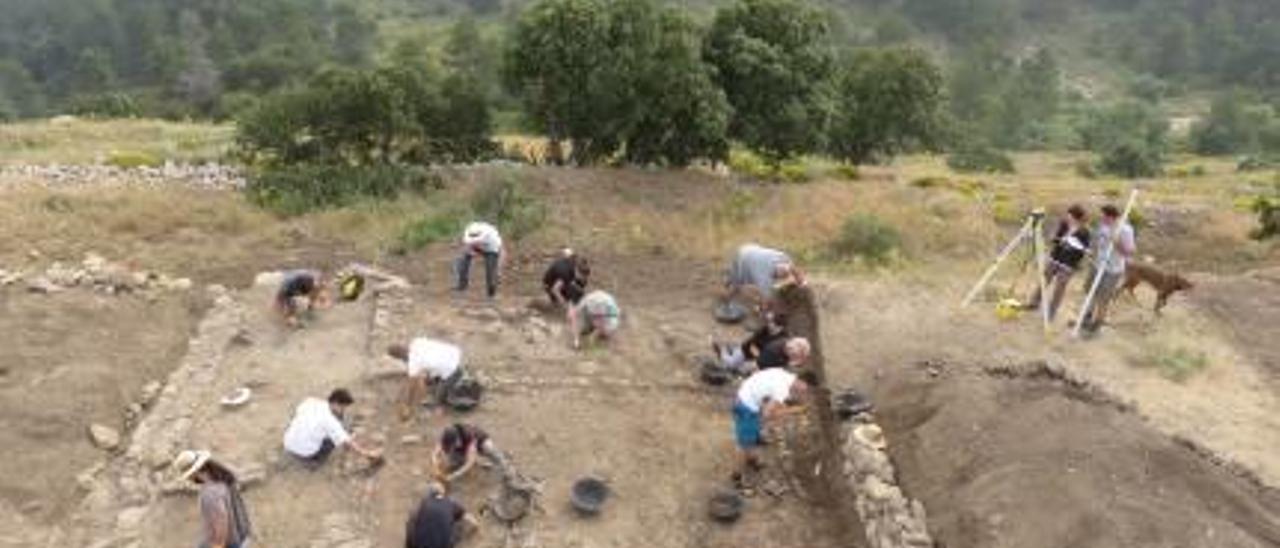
x=1086 y=169
x=847 y=172
x=792 y=172
x=754 y=167
x=130 y=159
x=1130 y=160
x=1175 y=363
x=429 y=229
x=292 y=190
x=106 y=105
x=1004 y=211
x=980 y=160
x=504 y=203
x=867 y=237
x=1252 y=163
x=1268 y=210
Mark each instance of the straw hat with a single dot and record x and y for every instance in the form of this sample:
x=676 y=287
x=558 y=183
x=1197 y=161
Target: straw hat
x=189 y=462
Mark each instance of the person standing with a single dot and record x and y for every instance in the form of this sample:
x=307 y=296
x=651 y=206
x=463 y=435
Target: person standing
x=597 y=316
x=1070 y=244
x=768 y=394
x=316 y=429
x=566 y=279
x=429 y=363
x=223 y=515
x=1119 y=238
x=434 y=523
x=480 y=239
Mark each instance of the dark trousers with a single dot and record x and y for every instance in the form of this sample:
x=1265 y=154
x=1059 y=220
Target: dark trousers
x=572 y=293
x=490 y=272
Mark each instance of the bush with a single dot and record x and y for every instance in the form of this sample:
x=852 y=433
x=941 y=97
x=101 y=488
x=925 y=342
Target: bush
x=297 y=189
x=131 y=159
x=504 y=203
x=754 y=167
x=1131 y=160
x=867 y=237
x=1175 y=363
x=431 y=228
x=1252 y=163
x=106 y=105
x=1268 y=210
x=846 y=172
x=980 y=160
x=1086 y=169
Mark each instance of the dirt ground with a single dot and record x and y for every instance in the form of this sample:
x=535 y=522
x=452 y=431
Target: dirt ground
x=997 y=462
x=974 y=448
x=68 y=360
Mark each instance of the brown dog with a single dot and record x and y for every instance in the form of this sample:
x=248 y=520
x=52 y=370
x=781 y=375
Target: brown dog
x=1164 y=283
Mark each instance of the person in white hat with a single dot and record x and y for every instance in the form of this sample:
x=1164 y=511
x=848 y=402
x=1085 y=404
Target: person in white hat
x=224 y=518
x=480 y=240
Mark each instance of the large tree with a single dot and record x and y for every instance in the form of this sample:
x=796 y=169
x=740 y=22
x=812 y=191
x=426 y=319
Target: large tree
x=888 y=101
x=773 y=60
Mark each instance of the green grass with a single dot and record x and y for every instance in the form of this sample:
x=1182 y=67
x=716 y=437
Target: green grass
x=1175 y=363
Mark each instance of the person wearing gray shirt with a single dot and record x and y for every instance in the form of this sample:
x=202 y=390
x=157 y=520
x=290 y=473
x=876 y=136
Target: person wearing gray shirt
x=1118 y=237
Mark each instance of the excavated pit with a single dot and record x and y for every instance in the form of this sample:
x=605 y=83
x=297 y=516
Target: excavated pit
x=1030 y=455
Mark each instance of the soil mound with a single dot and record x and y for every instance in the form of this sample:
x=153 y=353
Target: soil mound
x=1009 y=461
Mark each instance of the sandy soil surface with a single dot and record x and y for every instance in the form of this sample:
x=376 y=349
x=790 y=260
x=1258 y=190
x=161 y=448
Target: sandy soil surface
x=974 y=448
x=68 y=360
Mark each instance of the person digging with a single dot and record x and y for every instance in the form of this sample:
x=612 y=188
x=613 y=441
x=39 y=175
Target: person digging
x=460 y=447
x=223 y=515
x=597 y=317
x=767 y=395
x=316 y=430
x=480 y=240
x=429 y=365
x=754 y=272
x=739 y=357
x=565 y=281
x=308 y=285
x=434 y=523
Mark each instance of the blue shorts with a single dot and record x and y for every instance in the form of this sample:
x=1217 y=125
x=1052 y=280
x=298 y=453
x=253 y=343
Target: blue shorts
x=746 y=426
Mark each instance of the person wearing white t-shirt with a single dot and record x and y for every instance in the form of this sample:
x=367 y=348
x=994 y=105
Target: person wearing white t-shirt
x=316 y=429
x=428 y=362
x=480 y=240
x=764 y=396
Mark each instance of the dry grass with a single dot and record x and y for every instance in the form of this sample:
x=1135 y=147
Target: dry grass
x=84 y=141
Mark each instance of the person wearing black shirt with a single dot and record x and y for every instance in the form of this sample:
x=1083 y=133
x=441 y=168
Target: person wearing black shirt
x=1070 y=244
x=434 y=522
x=308 y=284
x=459 y=448
x=566 y=279
x=735 y=356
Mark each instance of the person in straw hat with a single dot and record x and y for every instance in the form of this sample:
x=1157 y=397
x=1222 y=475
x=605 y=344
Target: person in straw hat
x=224 y=518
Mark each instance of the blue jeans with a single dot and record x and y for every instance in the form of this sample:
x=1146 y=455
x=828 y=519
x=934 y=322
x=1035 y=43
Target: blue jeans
x=490 y=272
x=746 y=426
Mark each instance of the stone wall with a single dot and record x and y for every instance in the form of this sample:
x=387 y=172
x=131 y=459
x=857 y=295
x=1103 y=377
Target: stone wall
x=210 y=176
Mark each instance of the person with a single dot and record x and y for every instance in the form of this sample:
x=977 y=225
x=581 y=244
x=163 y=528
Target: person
x=460 y=447
x=790 y=352
x=223 y=515
x=434 y=523
x=597 y=316
x=429 y=363
x=306 y=284
x=566 y=279
x=1119 y=238
x=754 y=271
x=766 y=395
x=480 y=239
x=316 y=429
x=736 y=357
x=1070 y=243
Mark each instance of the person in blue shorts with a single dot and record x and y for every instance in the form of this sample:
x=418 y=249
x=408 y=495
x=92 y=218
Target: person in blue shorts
x=766 y=395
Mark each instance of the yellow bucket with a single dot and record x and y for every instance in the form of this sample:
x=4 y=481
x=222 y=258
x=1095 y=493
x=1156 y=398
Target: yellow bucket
x=1008 y=309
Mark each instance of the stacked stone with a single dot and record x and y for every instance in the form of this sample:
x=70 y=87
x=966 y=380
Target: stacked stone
x=890 y=519
x=96 y=273
x=211 y=176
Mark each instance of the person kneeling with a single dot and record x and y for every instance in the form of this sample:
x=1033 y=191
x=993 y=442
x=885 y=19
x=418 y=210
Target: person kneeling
x=597 y=317
x=316 y=429
x=301 y=284
x=429 y=364
x=434 y=524
x=460 y=447
x=735 y=357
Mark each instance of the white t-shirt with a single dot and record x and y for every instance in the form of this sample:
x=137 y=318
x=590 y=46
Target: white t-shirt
x=313 y=422
x=484 y=236
x=435 y=359
x=773 y=384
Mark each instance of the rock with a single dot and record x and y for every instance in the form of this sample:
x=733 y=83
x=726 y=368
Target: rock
x=411 y=439
x=9 y=278
x=41 y=284
x=180 y=284
x=252 y=475
x=150 y=392
x=132 y=412
x=87 y=478
x=270 y=279
x=130 y=519
x=104 y=437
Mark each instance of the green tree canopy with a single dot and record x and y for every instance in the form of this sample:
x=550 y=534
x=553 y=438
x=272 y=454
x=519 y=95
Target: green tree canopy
x=889 y=101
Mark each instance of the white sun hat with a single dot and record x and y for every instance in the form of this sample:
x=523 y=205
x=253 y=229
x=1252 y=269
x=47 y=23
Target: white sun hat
x=189 y=462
